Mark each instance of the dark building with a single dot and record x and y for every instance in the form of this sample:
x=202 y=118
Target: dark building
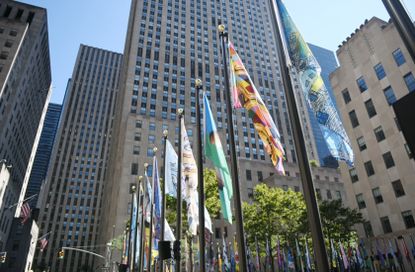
x=328 y=64
x=44 y=150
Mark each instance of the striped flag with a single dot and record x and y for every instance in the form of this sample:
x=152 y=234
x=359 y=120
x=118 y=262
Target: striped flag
x=43 y=243
x=25 y=212
x=245 y=94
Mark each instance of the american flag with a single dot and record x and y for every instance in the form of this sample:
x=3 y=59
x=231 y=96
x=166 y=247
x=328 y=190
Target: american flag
x=25 y=212
x=43 y=243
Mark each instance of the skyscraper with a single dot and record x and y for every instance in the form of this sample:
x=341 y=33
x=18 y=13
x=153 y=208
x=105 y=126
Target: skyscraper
x=25 y=79
x=169 y=44
x=376 y=70
x=328 y=64
x=71 y=205
x=43 y=152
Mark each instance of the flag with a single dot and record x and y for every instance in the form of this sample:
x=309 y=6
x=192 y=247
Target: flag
x=269 y=260
x=279 y=257
x=232 y=254
x=43 y=242
x=133 y=227
x=226 y=263
x=168 y=233
x=405 y=249
x=214 y=151
x=235 y=249
x=394 y=256
x=25 y=212
x=189 y=175
x=157 y=200
x=141 y=222
x=380 y=254
x=126 y=242
x=171 y=161
x=148 y=199
x=308 y=257
x=258 y=257
x=413 y=246
x=299 y=254
x=333 y=253
x=245 y=94
x=314 y=90
x=344 y=256
x=290 y=259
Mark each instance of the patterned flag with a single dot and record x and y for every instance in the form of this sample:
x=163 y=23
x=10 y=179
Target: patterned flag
x=344 y=256
x=405 y=249
x=333 y=253
x=189 y=175
x=315 y=91
x=25 y=212
x=126 y=242
x=258 y=257
x=214 y=151
x=392 y=253
x=297 y=246
x=171 y=160
x=380 y=254
x=133 y=226
x=308 y=257
x=43 y=242
x=226 y=263
x=148 y=199
x=245 y=94
x=157 y=200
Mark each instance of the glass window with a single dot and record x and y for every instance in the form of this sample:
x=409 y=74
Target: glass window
x=248 y=175
x=369 y=168
x=134 y=169
x=329 y=196
x=138 y=123
x=360 y=201
x=386 y=225
x=388 y=159
x=346 y=96
x=410 y=81
x=353 y=175
x=377 y=195
x=361 y=83
x=380 y=72
x=371 y=111
x=259 y=173
x=151 y=138
x=398 y=188
x=136 y=150
x=368 y=229
x=380 y=136
x=353 y=118
x=408 y=219
x=152 y=126
x=137 y=136
x=150 y=152
x=338 y=195
x=399 y=57
x=389 y=95
x=361 y=143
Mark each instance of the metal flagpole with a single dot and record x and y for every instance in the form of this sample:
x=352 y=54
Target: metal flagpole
x=142 y=227
x=163 y=196
x=150 y=243
x=234 y=168
x=139 y=197
x=131 y=252
x=403 y=24
x=300 y=147
x=202 y=243
x=179 y=197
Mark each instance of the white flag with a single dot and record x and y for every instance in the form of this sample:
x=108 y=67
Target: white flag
x=168 y=233
x=171 y=170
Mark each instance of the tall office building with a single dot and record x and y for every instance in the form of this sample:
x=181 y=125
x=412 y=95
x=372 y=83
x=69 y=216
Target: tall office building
x=25 y=79
x=169 y=44
x=328 y=64
x=43 y=152
x=376 y=70
x=71 y=204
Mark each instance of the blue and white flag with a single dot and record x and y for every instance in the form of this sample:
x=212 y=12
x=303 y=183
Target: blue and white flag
x=157 y=199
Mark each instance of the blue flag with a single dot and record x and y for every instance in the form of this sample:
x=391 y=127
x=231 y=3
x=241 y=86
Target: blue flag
x=157 y=200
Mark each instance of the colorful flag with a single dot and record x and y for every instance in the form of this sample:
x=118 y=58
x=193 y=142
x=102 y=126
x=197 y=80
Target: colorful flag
x=226 y=263
x=344 y=256
x=245 y=94
x=314 y=90
x=157 y=200
x=214 y=151
x=25 y=212
x=258 y=257
x=290 y=259
x=279 y=257
x=148 y=199
x=299 y=255
x=394 y=256
x=133 y=227
x=189 y=175
x=380 y=254
x=308 y=257
x=413 y=246
x=171 y=161
x=43 y=242
x=126 y=242
x=333 y=253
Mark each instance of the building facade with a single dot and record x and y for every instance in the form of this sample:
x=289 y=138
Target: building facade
x=25 y=79
x=71 y=204
x=43 y=152
x=376 y=70
x=328 y=64
x=169 y=44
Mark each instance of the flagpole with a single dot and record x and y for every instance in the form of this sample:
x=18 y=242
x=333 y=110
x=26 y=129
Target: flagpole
x=163 y=195
x=137 y=221
x=300 y=147
x=234 y=168
x=142 y=227
x=179 y=197
x=202 y=243
x=150 y=243
x=131 y=252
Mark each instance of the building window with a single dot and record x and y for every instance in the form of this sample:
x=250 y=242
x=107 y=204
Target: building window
x=410 y=81
x=361 y=83
x=151 y=139
x=259 y=173
x=361 y=143
x=152 y=126
x=389 y=95
x=380 y=71
x=408 y=219
x=371 y=111
x=380 y=136
x=399 y=57
x=377 y=195
x=296 y=189
x=408 y=151
x=136 y=150
x=360 y=201
x=4 y=55
x=250 y=193
x=388 y=159
x=217 y=233
x=398 y=188
x=346 y=96
x=150 y=152
x=248 y=174
x=368 y=229
x=329 y=196
x=369 y=168
x=353 y=175
x=134 y=169
x=138 y=123
x=386 y=225
x=338 y=195
x=137 y=136
x=353 y=118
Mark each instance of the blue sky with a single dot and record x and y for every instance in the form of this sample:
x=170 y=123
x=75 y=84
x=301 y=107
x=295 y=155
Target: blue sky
x=103 y=23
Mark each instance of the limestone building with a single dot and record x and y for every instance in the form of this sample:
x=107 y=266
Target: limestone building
x=375 y=71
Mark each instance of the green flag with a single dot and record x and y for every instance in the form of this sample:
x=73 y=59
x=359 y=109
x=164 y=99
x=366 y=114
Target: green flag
x=214 y=151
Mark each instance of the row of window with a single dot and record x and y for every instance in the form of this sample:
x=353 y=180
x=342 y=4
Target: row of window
x=377 y=195
x=407 y=218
